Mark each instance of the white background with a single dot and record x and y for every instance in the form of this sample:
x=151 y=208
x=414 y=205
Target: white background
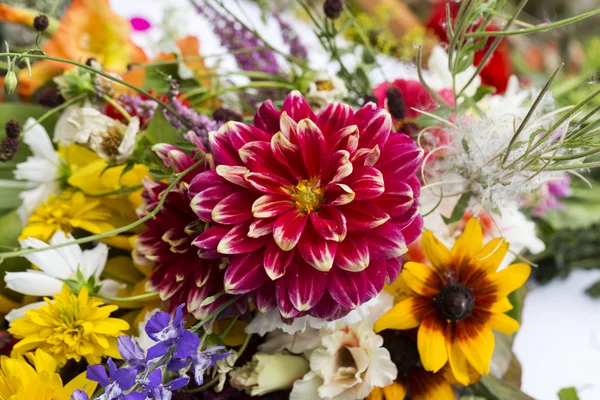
x=559 y=342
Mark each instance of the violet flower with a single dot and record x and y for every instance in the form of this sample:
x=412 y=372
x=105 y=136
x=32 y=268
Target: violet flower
x=115 y=383
x=291 y=38
x=170 y=336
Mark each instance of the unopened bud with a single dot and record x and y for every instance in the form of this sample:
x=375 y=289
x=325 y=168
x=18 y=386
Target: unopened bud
x=40 y=23
x=333 y=8
x=10 y=82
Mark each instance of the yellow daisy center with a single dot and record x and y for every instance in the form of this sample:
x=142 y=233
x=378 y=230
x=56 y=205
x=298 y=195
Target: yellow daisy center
x=307 y=196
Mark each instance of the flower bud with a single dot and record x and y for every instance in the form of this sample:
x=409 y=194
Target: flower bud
x=333 y=8
x=40 y=23
x=10 y=82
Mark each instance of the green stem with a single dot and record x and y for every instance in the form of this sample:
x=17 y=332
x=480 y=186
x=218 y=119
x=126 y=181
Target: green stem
x=127 y=189
x=87 y=239
x=228 y=327
x=207 y=385
x=57 y=109
x=116 y=105
x=213 y=314
x=131 y=298
x=220 y=91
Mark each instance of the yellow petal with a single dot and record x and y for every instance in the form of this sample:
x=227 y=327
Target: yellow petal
x=469 y=243
x=457 y=361
x=492 y=254
x=511 y=278
x=376 y=394
x=431 y=341
x=429 y=386
x=501 y=306
x=422 y=279
x=394 y=391
x=503 y=323
x=476 y=341
x=79 y=382
x=435 y=251
x=42 y=361
x=407 y=314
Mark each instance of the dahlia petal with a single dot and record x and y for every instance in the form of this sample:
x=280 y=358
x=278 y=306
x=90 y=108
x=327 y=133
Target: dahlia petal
x=312 y=146
x=276 y=260
x=476 y=341
x=233 y=209
x=210 y=238
x=330 y=223
x=431 y=341
x=363 y=216
x=436 y=253
x=345 y=139
x=405 y=220
x=297 y=108
x=203 y=181
x=264 y=297
x=386 y=241
x=267 y=118
x=241 y=134
x=503 y=323
x=327 y=308
x=305 y=285
x=271 y=205
x=288 y=154
x=172 y=156
x=268 y=182
x=221 y=148
x=393 y=268
x=415 y=185
x=236 y=241
x=374 y=277
x=352 y=254
x=261 y=227
x=288 y=127
x=286 y=308
x=203 y=203
x=469 y=243
x=397 y=199
x=335 y=117
x=407 y=314
x=338 y=194
x=245 y=273
x=196 y=296
x=374 y=124
x=366 y=157
x=316 y=251
x=346 y=288
x=288 y=228
x=234 y=174
x=258 y=157
x=366 y=182
x=337 y=167
x=400 y=157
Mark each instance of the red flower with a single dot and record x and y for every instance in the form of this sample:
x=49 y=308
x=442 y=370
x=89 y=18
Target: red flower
x=179 y=274
x=314 y=211
x=498 y=69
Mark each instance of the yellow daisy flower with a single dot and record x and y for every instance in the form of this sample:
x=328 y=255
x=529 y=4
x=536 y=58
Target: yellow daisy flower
x=20 y=380
x=67 y=212
x=457 y=301
x=70 y=327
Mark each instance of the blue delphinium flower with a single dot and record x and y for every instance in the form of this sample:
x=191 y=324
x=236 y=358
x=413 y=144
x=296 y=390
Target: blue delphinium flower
x=170 y=336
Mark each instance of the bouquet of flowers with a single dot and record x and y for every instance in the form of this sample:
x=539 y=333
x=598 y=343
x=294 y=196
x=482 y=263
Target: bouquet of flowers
x=348 y=220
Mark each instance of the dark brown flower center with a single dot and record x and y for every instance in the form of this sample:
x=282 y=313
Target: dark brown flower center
x=455 y=302
x=403 y=351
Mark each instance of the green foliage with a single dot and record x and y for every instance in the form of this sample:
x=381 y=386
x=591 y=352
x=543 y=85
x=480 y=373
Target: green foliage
x=569 y=393
x=10 y=229
x=160 y=130
x=459 y=209
x=493 y=389
x=156 y=78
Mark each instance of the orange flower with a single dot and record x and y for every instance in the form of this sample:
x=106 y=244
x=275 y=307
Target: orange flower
x=457 y=301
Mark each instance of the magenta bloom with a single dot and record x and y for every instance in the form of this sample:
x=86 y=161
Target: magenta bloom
x=314 y=211
x=179 y=274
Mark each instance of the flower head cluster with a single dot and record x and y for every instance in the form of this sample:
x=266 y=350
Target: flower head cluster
x=457 y=301
x=314 y=211
x=175 y=350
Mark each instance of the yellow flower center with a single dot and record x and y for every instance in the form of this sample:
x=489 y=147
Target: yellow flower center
x=111 y=140
x=324 y=86
x=307 y=196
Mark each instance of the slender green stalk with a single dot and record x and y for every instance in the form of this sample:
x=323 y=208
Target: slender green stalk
x=123 y=190
x=57 y=109
x=220 y=91
x=215 y=313
x=117 y=106
x=228 y=327
x=144 y=296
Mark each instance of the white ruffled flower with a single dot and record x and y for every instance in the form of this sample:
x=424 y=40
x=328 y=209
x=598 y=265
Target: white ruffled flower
x=440 y=76
x=347 y=365
x=268 y=373
x=42 y=169
x=325 y=89
x=55 y=267
x=109 y=138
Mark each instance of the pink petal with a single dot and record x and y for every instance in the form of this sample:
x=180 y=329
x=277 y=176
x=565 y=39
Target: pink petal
x=366 y=182
x=327 y=308
x=315 y=250
x=241 y=134
x=393 y=268
x=286 y=308
x=276 y=260
x=267 y=118
x=337 y=167
x=233 y=209
x=288 y=228
x=330 y=223
x=237 y=241
x=203 y=203
x=245 y=273
x=312 y=146
x=343 y=139
x=172 y=156
x=297 y=108
x=288 y=127
x=204 y=181
x=234 y=174
x=305 y=285
x=415 y=185
x=363 y=215
x=346 y=287
x=338 y=194
x=353 y=254
x=386 y=241
x=413 y=230
x=374 y=278
x=288 y=154
x=267 y=182
x=221 y=148
x=397 y=199
x=261 y=227
x=210 y=238
x=264 y=297
x=374 y=124
x=335 y=117
x=366 y=157
x=140 y=24
x=258 y=157
x=271 y=205
x=399 y=159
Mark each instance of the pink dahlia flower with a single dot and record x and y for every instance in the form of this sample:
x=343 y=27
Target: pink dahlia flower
x=179 y=274
x=314 y=211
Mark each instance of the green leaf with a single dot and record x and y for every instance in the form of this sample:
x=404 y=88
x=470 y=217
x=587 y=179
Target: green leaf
x=569 y=393
x=160 y=174
x=186 y=146
x=493 y=389
x=593 y=290
x=9 y=232
x=9 y=193
x=459 y=209
x=483 y=91
x=155 y=78
x=160 y=130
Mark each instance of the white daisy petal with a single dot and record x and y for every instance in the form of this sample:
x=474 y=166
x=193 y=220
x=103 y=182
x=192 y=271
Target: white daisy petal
x=71 y=254
x=20 y=312
x=94 y=260
x=33 y=283
x=37 y=169
x=37 y=139
x=50 y=262
x=111 y=288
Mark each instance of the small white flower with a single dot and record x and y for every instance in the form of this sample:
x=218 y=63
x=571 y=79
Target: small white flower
x=58 y=265
x=325 y=89
x=41 y=169
x=347 y=365
x=268 y=373
x=440 y=76
x=109 y=138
